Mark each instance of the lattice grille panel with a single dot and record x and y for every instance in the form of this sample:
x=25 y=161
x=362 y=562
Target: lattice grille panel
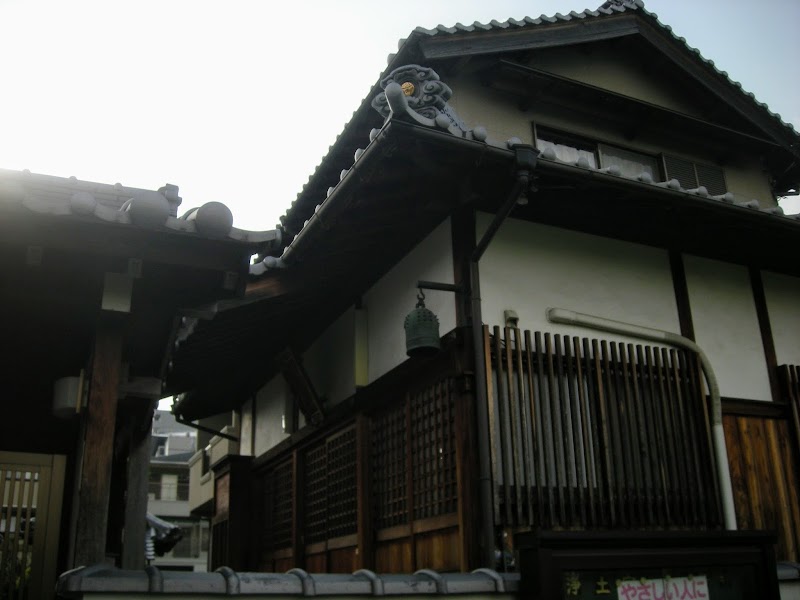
x=315 y=494
x=342 y=492
x=19 y=491
x=279 y=493
x=433 y=451
x=389 y=472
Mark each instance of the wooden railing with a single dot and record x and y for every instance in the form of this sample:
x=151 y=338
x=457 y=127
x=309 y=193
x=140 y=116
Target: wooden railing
x=378 y=490
x=596 y=434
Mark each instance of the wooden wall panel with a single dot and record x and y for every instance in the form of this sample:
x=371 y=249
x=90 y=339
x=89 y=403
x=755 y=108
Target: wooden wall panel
x=283 y=564
x=764 y=473
x=438 y=550
x=317 y=563
x=394 y=557
x=342 y=560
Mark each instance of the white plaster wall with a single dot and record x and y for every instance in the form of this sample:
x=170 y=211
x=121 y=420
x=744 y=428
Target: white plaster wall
x=604 y=68
x=390 y=299
x=530 y=267
x=329 y=361
x=271 y=402
x=726 y=326
x=783 y=306
x=246 y=428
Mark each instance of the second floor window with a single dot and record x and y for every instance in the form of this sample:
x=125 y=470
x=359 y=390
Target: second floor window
x=690 y=175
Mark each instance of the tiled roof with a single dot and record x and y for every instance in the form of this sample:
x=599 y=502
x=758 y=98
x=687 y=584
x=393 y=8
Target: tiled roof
x=297 y=582
x=303 y=207
x=104 y=203
x=401 y=110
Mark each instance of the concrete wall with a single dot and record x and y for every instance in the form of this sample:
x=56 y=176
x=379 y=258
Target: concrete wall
x=531 y=267
x=390 y=299
x=726 y=326
x=783 y=305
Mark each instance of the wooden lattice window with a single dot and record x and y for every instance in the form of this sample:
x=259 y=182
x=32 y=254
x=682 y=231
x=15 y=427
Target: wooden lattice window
x=389 y=472
x=315 y=494
x=342 y=492
x=433 y=451
x=329 y=489
x=279 y=497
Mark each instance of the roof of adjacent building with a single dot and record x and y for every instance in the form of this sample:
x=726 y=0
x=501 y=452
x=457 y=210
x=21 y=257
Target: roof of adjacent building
x=296 y=582
x=155 y=210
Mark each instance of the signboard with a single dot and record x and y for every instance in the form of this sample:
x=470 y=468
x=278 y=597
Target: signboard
x=652 y=565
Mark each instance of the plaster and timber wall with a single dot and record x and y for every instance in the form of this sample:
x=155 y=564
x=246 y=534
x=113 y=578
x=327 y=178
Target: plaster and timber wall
x=390 y=299
x=726 y=326
x=500 y=114
x=272 y=401
x=530 y=267
x=783 y=305
x=330 y=361
x=599 y=65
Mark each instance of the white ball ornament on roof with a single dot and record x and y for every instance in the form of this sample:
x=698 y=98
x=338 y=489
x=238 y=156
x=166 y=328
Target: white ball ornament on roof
x=149 y=209
x=213 y=219
x=82 y=203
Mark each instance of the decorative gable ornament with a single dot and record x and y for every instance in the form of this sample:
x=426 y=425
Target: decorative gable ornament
x=417 y=94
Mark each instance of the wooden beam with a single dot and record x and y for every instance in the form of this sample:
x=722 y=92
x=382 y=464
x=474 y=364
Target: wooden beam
x=681 y=294
x=101 y=412
x=768 y=342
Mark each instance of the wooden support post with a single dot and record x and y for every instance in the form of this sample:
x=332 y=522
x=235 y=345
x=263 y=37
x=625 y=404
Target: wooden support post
x=136 y=496
x=101 y=412
x=366 y=552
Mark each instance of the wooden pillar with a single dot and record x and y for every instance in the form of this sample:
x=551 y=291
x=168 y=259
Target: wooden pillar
x=366 y=548
x=136 y=494
x=101 y=412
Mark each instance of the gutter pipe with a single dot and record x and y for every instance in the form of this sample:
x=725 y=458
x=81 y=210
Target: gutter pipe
x=568 y=317
x=526 y=160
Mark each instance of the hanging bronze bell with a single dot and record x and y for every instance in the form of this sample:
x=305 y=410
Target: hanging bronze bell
x=422 y=330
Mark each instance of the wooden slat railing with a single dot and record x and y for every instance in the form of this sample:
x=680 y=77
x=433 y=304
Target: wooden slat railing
x=596 y=434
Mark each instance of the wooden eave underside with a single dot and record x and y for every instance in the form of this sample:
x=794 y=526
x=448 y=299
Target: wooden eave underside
x=407 y=193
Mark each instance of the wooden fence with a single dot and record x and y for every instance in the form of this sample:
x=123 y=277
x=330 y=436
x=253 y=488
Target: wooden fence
x=596 y=434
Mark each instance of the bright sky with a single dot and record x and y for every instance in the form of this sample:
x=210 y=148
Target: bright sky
x=238 y=101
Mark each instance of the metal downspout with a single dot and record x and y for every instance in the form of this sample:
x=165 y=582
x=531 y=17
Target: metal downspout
x=526 y=159
x=560 y=315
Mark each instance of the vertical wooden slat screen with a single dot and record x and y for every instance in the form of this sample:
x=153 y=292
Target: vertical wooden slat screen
x=588 y=433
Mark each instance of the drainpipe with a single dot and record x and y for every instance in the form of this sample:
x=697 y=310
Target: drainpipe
x=560 y=315
x=526 y=158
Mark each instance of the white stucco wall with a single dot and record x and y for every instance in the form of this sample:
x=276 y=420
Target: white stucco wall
x=390 y=299
x=783 y=306
x=726 y=326
x=271 y=402
x=246 y=428
x=530 y=267
x=329 y=361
